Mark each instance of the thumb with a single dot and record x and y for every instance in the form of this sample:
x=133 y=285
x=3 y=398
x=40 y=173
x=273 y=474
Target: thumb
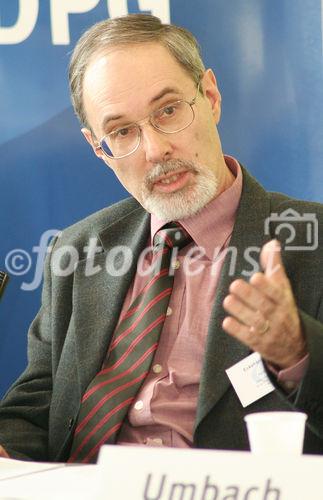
x=271 y=261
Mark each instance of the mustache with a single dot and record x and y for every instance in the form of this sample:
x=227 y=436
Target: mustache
x=166 y=167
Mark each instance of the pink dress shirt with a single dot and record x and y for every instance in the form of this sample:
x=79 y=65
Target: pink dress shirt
x=171 y=388
x=163 y=413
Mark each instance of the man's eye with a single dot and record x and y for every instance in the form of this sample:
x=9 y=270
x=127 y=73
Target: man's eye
x=122 y=132
x=169 y=110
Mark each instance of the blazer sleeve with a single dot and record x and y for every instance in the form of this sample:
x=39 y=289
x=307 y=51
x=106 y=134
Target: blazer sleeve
x=24 y=410
x=309 y=396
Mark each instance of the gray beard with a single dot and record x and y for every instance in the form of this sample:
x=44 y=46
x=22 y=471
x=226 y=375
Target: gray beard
x=182 y=203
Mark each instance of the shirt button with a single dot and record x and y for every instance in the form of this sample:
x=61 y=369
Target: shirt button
x=139 y=405
x=290 y=385
x=157 y=368
x=157 y=441
x=153 y=441
x=169 y=311
x=176 y=264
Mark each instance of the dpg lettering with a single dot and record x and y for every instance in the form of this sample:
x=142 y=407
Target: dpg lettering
x=59 y=17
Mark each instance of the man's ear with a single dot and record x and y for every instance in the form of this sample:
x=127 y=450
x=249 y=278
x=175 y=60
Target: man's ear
x=212 y=93
x=93 y=143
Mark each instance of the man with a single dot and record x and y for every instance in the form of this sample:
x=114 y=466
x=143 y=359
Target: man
x=150 y=111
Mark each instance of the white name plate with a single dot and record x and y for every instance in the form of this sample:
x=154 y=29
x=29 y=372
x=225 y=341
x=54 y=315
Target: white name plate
x=141 y=473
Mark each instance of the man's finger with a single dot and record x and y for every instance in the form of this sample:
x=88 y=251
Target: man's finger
x=254 y=296
x=271 y=261
x=234 y=306
x=272 y=290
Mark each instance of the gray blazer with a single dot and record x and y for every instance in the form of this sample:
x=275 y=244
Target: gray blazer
x=71 y=333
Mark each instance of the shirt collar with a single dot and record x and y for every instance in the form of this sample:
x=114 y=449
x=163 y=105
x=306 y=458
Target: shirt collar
x=213 y=225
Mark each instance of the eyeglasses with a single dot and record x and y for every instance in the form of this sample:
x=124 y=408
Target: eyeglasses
x=170 y=119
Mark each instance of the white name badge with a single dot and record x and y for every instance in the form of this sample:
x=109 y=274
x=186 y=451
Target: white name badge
x=142 y=473
x=249 y=379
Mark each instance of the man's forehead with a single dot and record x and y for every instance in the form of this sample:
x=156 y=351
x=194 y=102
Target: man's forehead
x=133 y=63
x=121 y=70
x=125 y=78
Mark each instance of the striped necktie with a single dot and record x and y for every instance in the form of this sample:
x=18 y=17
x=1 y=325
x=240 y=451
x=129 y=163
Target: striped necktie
x=107 y=399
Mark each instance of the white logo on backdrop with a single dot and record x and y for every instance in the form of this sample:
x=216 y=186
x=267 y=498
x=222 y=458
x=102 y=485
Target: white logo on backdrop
x=59 y=17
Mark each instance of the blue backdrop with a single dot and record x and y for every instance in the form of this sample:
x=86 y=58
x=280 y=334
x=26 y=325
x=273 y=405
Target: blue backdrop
x=267 y=56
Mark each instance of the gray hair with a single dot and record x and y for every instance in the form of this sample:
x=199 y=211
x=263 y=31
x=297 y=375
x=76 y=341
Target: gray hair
x=130 y=30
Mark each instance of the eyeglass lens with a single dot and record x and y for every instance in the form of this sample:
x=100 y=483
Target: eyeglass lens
x=170 y=119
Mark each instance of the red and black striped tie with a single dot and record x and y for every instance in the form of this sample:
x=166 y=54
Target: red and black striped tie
x=110 y=394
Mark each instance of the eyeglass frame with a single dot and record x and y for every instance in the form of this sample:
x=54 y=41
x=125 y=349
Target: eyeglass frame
x=148 y=119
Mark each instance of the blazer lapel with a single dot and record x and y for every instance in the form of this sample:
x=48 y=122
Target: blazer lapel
x=99 y=297
x=222 y=350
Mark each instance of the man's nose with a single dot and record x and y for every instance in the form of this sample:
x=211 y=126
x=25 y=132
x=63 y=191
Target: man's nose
x=156 y=145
